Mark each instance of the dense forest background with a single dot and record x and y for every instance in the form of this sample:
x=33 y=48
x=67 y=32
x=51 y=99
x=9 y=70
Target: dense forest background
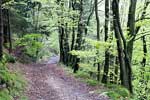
x=104 y=42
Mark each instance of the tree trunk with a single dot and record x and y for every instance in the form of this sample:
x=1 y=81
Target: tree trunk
x=1 y=31
x=61 y=42
x=72 y=58
x=9 y=33
x=89 y=18
x=66 y=46
x=125 y=65
x=79 y=39
x=131 y=27
x=106 y=66
x=144 y=51
x=98 y=34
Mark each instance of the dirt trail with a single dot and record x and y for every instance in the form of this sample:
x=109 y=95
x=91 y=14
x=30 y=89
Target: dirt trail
x=50 y=82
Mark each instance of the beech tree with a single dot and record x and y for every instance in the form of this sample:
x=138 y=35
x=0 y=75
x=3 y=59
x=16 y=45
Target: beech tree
x=124 y=60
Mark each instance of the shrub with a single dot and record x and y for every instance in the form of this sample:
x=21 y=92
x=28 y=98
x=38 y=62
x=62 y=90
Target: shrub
x=30 y=45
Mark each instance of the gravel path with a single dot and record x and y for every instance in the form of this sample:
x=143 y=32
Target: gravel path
x=50 y=82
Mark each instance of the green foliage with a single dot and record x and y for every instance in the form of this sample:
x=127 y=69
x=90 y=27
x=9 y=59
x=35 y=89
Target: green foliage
x=83 y=54
x=117 y=92
x=113 y=95
x=85 y=77
x=92 y=82
x=9 y=58
x=141 y=75
x=13 y=83
x=31 y=45
x=4 y=95
x=142 y=83
x=93 y=54
x=82 y=74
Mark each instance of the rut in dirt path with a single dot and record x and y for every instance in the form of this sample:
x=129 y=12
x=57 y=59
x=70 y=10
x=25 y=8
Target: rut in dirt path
x=50 y=82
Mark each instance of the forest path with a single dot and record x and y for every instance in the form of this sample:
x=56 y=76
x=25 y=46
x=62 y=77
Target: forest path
x=50 y=82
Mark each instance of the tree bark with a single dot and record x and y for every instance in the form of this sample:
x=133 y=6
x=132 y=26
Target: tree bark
x=66 y=45
x=89 y=18
x=9 y=33
x=98 y=35
x=107 y=55
x=1 y=31
x=144 y=51
x=79 y=39
x=61 y=42
x=125 y=65
x=131 y=27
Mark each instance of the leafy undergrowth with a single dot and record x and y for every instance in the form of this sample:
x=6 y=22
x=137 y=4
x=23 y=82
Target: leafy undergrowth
x=116 y=92
x=12 y=84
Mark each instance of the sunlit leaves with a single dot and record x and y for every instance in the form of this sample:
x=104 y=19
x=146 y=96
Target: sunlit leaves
x=83 y=54
x=32 y=43
x=98 y=44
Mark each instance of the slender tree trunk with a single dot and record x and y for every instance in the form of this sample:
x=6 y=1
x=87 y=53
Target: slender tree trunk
x=89 y=18
x=37 y=18
x=116 y=70
x=97 y=20
x=61 y=42
x=5 y=27
x=62 y=34
x=72 y=5
x=79 y=39
x=107 y=55
x=9 y=33
x=98 y=34
x=72 y=44
x=144 y=51
x=66 y=45
x=1 y=31
x=131 y=27
x=72 y=58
